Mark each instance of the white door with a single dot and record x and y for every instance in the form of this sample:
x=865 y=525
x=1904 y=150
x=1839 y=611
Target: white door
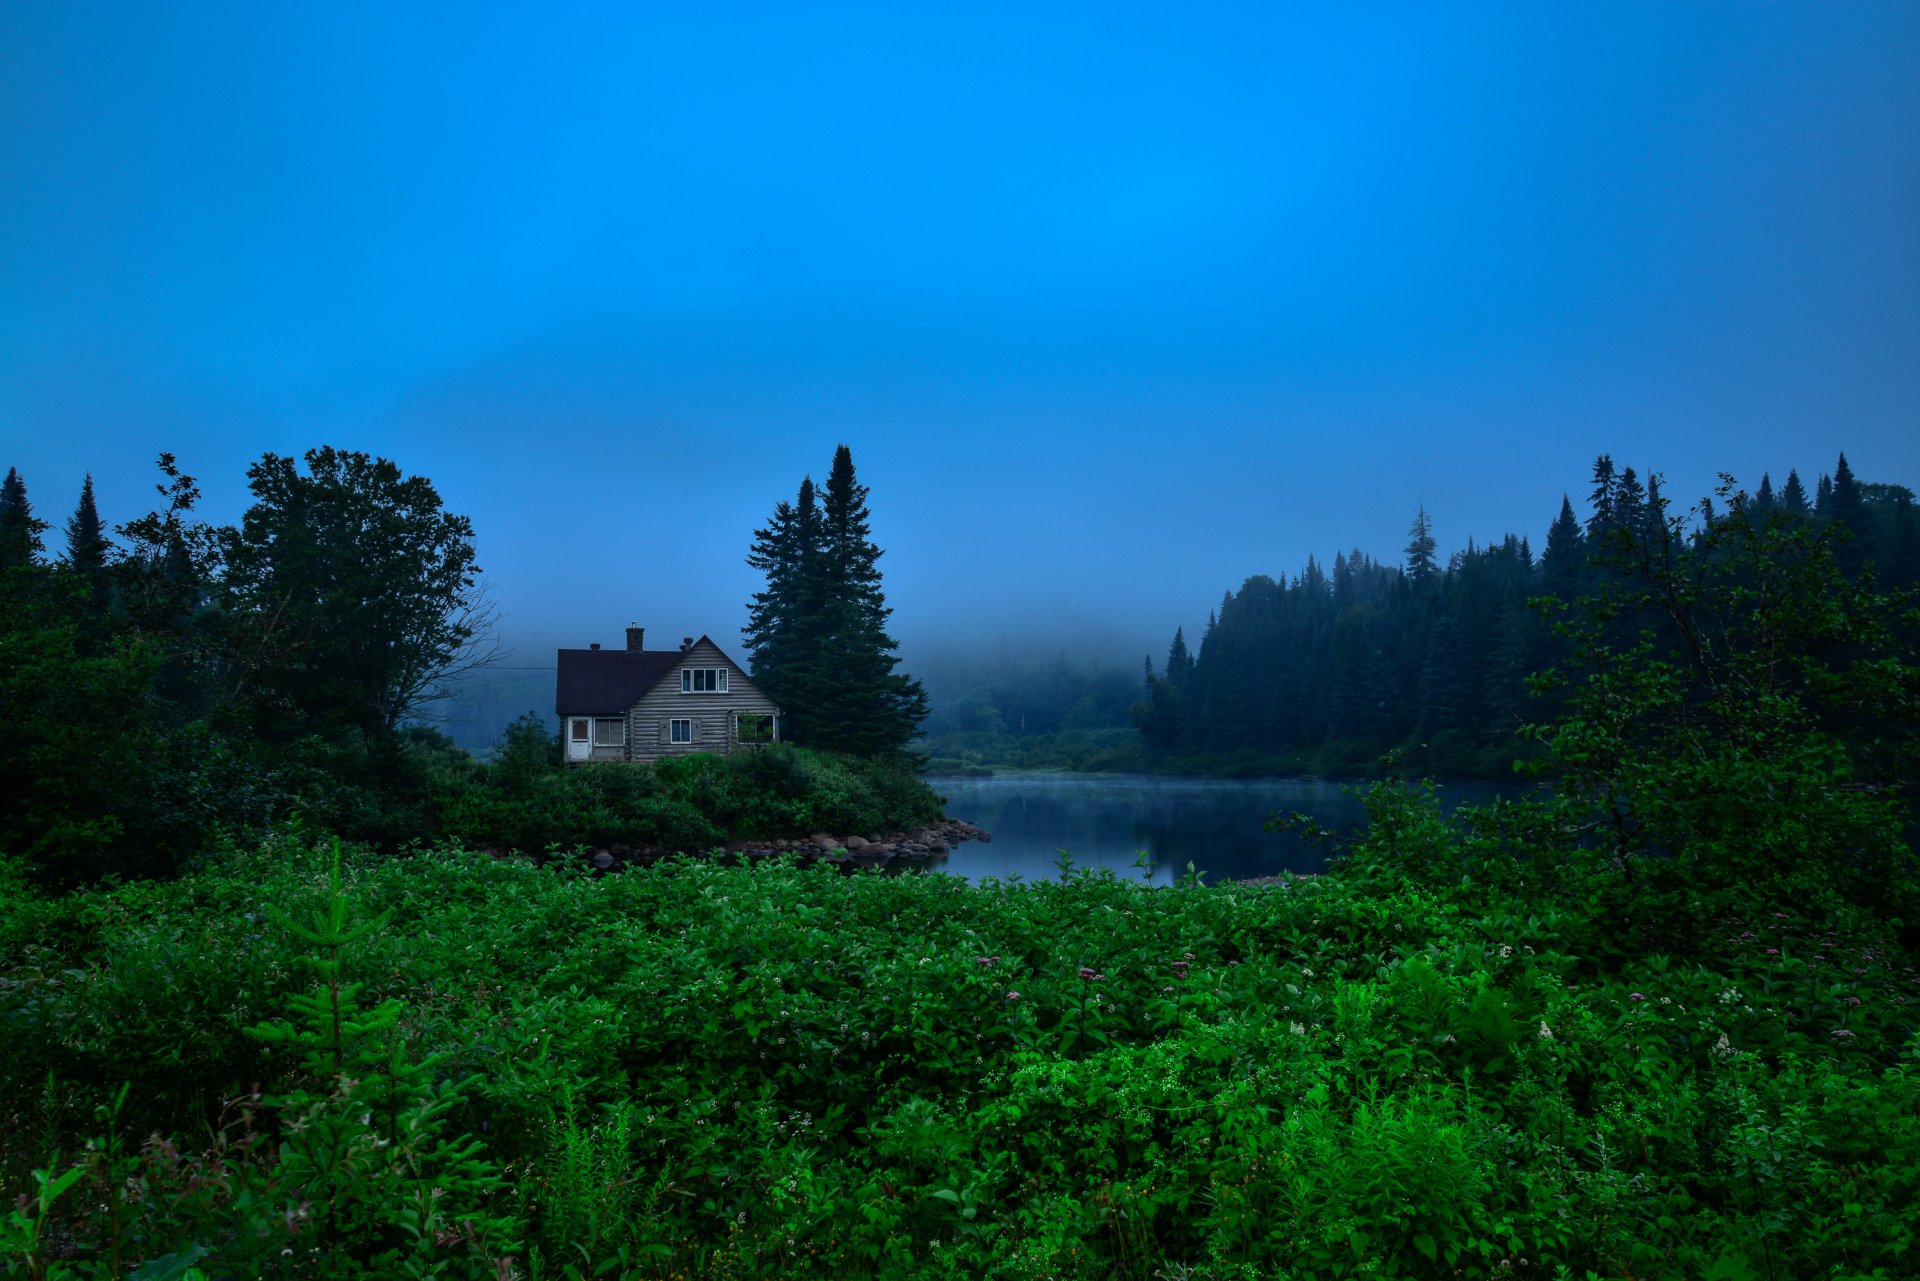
x=579 y=738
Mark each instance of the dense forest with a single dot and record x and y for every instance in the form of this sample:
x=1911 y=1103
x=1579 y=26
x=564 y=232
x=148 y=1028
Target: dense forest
x=1366 y=666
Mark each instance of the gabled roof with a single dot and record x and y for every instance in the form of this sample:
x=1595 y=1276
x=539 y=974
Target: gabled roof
x=606 y=682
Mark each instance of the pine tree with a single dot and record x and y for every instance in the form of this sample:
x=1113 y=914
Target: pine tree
x=20 y=543
x=1793 y=495
x=1763 y=499
x=1654 y=521
x=1421 y=566
x=817 y=634
x=1566 y=556
x=86 y=543
x=1630 y=503
x=1602 y=500
x=785 y=622
x=1823 y=496
x=1846 y=492
x=1179 y=661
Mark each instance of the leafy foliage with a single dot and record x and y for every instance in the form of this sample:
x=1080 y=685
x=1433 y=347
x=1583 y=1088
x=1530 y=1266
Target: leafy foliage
x=775 y=1071
x=355 y=590
x=524 y=800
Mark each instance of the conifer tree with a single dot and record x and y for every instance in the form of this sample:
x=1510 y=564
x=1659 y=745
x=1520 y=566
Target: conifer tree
x=785 y=621
x=1179 y=661
x=1793 y=494
x=1630 y=503
x=86 y=543
x=1566 y=554
x=1602 y=500
x=1846 y=492
x=1823 y=496
x=1656 y=503
x=20 y=543
x=817 y=634
x=1763 y=499
x=1421 y=566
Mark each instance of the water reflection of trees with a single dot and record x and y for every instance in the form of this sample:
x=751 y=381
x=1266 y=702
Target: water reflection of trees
x=1217 y=826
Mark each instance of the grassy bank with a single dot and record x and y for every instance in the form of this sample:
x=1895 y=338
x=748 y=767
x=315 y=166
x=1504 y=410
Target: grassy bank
x=701 y=1071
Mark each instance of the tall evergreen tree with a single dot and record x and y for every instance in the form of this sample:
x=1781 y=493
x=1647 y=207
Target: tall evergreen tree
x=1655 y=520
x=1763 y=499
x=817 y=633
x=1823 y=496
x=1846 y=492
x=1793 y=494
x=1605 y=491
x=1565 y=559
x=786 y=620
x=20 y=543
x=1630 y=503
x=86 y=542
x=1422 y=568
x=1179 y=661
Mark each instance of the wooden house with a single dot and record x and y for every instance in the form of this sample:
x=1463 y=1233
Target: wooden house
x=637 y=704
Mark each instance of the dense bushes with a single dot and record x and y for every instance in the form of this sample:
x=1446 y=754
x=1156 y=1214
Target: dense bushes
x=775 y=1071
x=525 y=800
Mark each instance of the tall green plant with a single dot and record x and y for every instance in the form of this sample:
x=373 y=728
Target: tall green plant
x=370 y=1160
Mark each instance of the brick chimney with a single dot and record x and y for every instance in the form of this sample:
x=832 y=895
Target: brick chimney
x=635 y=635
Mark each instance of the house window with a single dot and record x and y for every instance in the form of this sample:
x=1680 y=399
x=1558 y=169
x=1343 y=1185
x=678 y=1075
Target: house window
x=579 y=731
x=703 y=680
x=753 y=727
x=609 y=732
x=682 y=731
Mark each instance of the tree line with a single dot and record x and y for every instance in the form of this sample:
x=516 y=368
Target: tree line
x=173 y=684
x=1428 y=663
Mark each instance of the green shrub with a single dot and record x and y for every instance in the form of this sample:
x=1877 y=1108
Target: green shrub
x=785 y=1071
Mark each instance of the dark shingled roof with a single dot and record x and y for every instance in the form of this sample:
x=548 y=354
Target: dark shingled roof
x=606 y=682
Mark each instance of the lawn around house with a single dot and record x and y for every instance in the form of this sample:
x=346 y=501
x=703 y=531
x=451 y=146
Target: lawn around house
x=697 y=1070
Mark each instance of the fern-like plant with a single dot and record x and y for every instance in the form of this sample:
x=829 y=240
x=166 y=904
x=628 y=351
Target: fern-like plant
x=369 y=1163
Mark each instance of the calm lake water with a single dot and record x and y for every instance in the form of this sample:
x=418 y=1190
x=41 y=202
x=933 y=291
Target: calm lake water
x=1112 y=820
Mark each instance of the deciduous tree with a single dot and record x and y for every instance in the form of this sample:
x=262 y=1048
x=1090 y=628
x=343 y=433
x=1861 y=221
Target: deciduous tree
x=355 y=593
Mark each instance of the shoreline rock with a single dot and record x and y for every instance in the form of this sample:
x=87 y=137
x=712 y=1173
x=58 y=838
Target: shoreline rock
x=878 y=849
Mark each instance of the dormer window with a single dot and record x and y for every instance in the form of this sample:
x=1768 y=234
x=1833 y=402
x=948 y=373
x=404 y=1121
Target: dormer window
x=703 y=680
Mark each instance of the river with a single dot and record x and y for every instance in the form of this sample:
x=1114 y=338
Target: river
x=1148 y=826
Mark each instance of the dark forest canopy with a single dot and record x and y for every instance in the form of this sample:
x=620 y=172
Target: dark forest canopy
x=1339 y=666
x=1364 y=665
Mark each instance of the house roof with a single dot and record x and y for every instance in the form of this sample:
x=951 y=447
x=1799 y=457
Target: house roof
x=606 y=682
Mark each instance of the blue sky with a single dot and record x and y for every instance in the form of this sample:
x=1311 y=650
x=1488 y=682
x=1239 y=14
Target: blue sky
x=1115 y=305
